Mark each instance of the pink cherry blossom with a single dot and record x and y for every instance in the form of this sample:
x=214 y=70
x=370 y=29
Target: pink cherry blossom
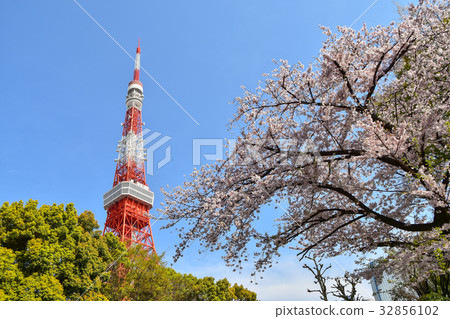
x=374 y=107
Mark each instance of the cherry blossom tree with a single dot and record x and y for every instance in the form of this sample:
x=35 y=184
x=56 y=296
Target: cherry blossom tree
x=353 y=150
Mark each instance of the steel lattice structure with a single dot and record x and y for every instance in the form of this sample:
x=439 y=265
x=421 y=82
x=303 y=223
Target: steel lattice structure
x=129 y=201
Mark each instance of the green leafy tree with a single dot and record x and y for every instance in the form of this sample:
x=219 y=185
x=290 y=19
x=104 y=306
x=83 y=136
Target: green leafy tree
x=242 y=294
x=138 y=277
x=10 y=276
x=51 y=253
x=206 y=289
x=144 y=276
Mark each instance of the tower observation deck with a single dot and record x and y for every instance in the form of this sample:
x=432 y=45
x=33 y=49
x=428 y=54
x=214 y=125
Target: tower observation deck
x=129 y=201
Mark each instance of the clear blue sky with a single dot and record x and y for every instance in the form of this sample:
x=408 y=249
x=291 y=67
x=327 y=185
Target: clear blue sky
x=63 y=84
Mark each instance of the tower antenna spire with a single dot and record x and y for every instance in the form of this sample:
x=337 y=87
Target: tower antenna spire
x=137 y=61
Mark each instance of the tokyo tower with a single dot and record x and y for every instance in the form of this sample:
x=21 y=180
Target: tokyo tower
x=129 y=200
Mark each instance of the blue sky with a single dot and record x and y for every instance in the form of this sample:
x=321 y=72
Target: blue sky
x=63 y=83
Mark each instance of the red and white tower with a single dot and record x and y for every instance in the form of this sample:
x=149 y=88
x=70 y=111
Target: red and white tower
x=129 y=201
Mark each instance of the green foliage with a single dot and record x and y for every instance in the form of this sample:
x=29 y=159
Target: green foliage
x=50 y=253
x=41 y=287
x=206 y=289
x=242 y=294
x=10 y=276
x=146 y=277
x=87 y=221
x=433 y=296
